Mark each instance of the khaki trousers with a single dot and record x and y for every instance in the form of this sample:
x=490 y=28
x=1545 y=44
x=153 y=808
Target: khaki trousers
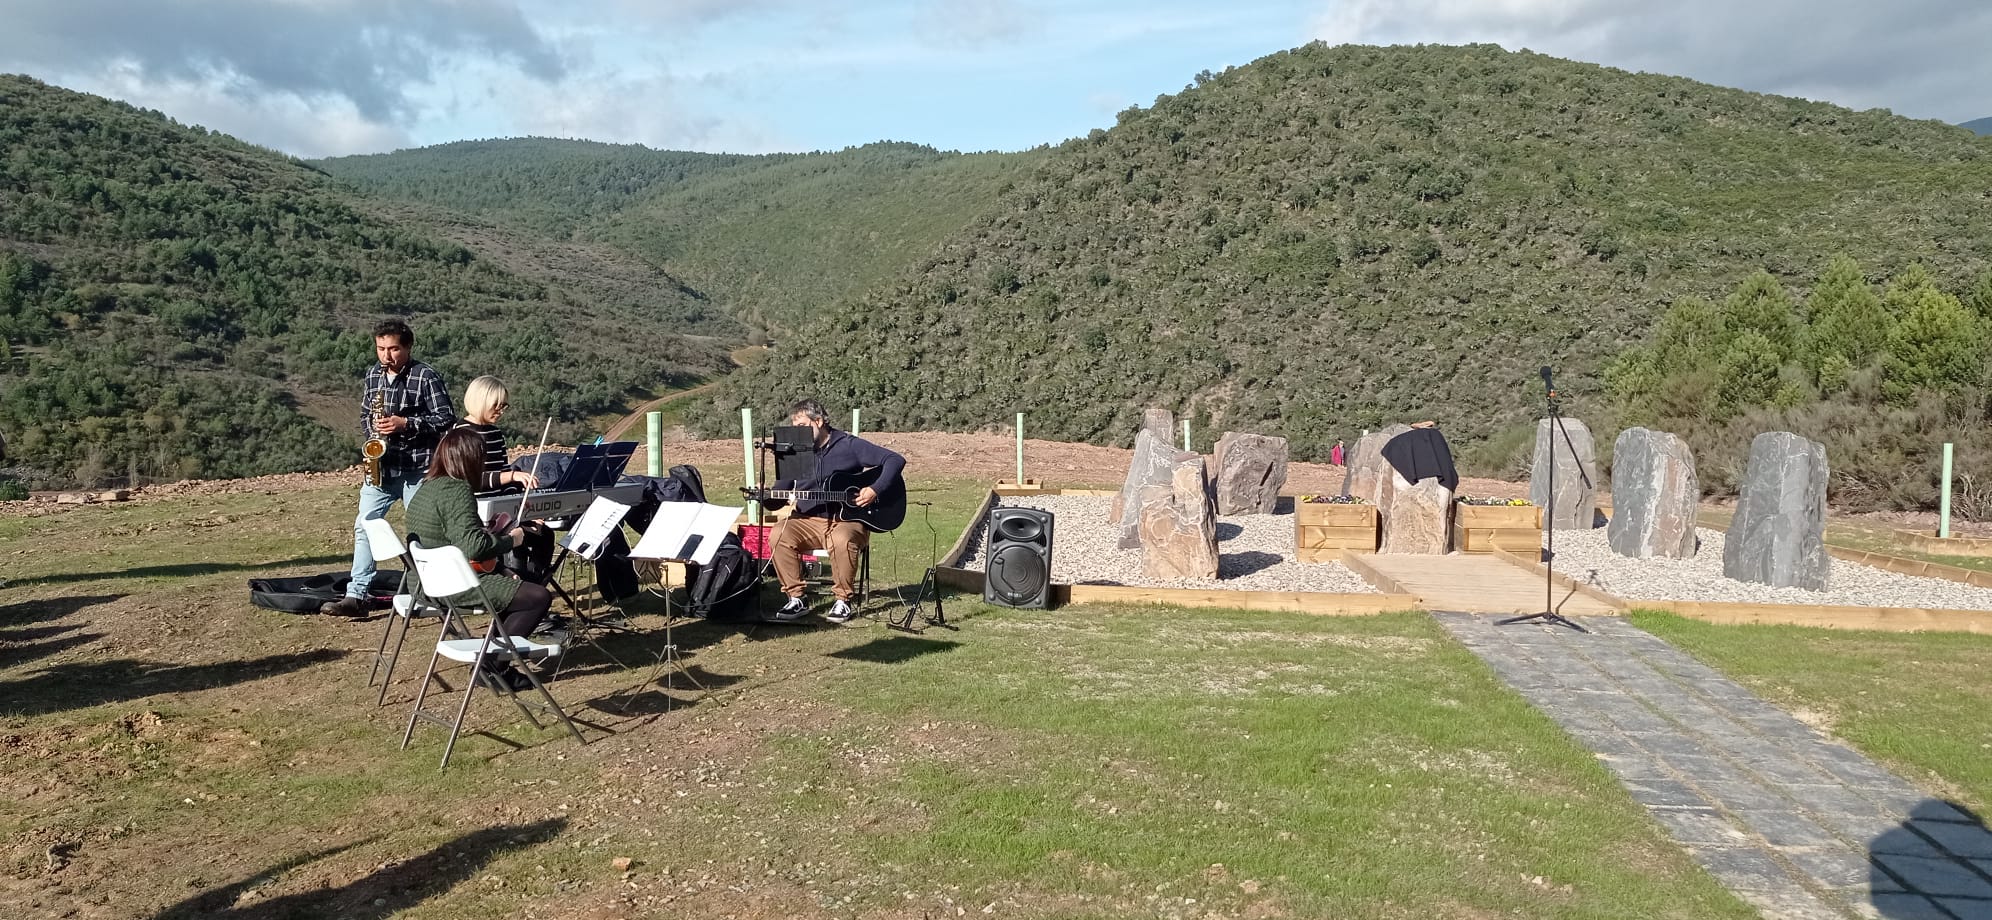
x=798 y=535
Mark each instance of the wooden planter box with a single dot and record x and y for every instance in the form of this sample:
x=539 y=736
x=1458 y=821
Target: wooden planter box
x=1486 y=528
x=1322 y=531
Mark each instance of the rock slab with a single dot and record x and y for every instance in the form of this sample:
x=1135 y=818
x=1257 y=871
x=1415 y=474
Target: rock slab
x=1778 y=536
x=1249 y=471
x=1161 y=423
x=1420 y=518
x=1654 y=495
x=1153 y=464
x=1576 y=503
x=1178 y=524
x=1369 y=476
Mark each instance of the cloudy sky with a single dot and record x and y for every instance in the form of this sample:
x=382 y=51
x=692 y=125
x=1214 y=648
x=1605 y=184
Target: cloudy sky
x=327 y=77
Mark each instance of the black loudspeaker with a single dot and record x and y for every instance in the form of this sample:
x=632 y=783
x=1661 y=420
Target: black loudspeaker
x=1019 y=569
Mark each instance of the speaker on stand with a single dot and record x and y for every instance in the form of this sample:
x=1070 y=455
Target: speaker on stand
x=1018 y=573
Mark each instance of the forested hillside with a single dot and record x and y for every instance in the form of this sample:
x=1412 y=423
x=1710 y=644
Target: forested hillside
x=176 y=303
x=1330 y=239
x=1978 y=125
x=775 y=239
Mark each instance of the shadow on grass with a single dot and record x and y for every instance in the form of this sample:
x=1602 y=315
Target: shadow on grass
x=894 y=650
x=398 y=887
x=55 y=608
x=80 y=685
x=45 y=643
x=183 y=570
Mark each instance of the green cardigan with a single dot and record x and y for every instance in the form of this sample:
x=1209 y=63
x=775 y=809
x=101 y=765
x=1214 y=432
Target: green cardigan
x=444 y=510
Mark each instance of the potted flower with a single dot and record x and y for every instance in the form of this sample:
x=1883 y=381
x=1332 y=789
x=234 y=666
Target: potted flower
x=1325 y=525
x=1482 y=525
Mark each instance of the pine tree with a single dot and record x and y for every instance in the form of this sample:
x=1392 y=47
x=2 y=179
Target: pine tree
x=1749 y=372
x=1761 y=305
x=1933 y=345
x=1846 y=325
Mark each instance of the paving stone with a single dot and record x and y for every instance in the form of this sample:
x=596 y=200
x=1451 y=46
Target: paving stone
x=1909 y=907
x=1744 y=868
x=1793 y=903
x=1958 y=839
x=1702 y=826
x=1636 y=767
x=1838 y=866
x=1903 y=842
x=1967 y=908
x=1784 y=829
x=1933 y=810
x=1936 y=877
x=1666 y=793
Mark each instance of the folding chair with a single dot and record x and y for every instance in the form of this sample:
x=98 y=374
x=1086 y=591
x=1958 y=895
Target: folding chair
x=444 y=574
x=386 y=545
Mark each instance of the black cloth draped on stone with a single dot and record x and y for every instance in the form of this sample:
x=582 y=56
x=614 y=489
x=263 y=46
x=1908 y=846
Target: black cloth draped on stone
x=1422 y=453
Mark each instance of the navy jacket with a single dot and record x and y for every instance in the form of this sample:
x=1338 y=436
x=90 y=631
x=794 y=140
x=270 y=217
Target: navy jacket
x=845 y=453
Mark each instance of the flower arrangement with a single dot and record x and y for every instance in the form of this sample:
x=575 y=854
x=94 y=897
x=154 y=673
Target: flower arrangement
x=1504 y=502
x=1333 y=500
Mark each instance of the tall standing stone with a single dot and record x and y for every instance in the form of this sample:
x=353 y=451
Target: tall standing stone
x=1654 y=495
x=1778 y=536
x=1250 y=470
x=1160 y=423
x=1153 y=462
x=1576 y=503
x=1420 y=518
x=1178 y=523
x=1369 y=476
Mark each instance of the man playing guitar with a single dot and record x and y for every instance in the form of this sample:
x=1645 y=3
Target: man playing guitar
x=821 y=525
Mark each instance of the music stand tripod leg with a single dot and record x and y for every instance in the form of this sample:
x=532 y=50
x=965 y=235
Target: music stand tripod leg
x=667 y=657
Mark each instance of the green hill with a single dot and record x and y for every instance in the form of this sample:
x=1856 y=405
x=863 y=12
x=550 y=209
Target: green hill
x=1331 y=239
x=177 y=303
x=772 y=238
x=1980 y=126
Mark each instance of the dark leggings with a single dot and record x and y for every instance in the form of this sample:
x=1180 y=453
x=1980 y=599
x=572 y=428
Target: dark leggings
x=527 y=609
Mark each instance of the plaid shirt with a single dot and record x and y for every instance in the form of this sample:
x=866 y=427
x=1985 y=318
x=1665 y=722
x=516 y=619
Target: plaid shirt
x=417 y=394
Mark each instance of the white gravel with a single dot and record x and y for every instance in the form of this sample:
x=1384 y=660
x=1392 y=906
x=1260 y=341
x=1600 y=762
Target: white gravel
x=1585 y=556
x=1255 y=552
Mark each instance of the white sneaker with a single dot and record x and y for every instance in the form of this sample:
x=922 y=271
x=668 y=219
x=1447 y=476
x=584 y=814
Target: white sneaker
x=795 y=609
x=840 y=612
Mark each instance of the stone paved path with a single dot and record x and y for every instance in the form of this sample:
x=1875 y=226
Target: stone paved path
x=1797 y=825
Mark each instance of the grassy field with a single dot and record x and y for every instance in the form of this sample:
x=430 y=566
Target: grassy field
x=173 y=752
x=1915 y=701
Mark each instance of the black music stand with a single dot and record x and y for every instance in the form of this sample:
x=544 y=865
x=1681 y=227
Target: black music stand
x=584 y=542
x=1549 y=614
x=688 y=533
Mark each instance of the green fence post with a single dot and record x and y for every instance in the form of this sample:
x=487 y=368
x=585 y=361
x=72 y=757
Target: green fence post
x=654 y=437
x=747 y=451
x=1020 y=449
x=1943 y=506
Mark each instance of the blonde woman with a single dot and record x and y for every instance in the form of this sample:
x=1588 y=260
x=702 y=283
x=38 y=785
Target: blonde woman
x=484 y=402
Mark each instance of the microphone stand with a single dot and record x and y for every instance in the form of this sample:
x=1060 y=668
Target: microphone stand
x=1548 y=613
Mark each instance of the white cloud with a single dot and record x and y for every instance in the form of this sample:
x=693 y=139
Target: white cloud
x=979 y=23
x=322 y=127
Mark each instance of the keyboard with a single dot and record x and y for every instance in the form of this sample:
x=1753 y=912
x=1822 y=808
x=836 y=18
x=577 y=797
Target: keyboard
x=542 y=506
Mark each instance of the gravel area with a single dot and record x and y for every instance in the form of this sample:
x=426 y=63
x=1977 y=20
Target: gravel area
x=1585 y=556
x=1255 y=552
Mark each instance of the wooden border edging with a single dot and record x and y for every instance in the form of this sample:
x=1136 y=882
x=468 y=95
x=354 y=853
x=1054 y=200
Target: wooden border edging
x=1885 y=619
x=1945 y=546
x=1354 y=562
x=1902 y=566
x=953 y=557
x=1565 y=581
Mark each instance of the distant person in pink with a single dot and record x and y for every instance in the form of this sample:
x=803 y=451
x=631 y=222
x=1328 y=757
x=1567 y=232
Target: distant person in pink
x=1335 y=454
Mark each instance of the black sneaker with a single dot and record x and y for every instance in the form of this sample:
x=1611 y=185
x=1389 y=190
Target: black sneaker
x=795 y=609
x=841 y=612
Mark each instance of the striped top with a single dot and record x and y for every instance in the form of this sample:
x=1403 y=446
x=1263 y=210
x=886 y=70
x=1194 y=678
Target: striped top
x=494 y=454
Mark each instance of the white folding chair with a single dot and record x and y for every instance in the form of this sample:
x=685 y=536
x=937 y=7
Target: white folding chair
x=386 y=545
x=444 y=574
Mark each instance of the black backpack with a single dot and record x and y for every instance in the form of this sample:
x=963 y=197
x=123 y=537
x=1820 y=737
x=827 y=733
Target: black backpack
x=727 y=588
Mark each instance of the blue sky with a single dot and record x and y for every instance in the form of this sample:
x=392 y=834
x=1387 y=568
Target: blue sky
x=327 y=77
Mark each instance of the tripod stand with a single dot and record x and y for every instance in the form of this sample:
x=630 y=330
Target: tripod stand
x=668 y=660
x=1555 y=414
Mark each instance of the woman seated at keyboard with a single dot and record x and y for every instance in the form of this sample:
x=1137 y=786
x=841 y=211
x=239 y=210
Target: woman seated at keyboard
x=484 y=401
x=444 y=512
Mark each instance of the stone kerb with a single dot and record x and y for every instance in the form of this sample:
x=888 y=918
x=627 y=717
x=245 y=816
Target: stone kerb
x=1576 y=502
x=1249 y=470
x=1655 y=494
x=1778 y=536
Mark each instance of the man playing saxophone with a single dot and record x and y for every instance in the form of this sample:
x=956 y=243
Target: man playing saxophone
x=406 y=405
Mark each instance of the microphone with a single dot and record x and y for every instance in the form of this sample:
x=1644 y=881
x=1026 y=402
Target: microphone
x=1545 y=375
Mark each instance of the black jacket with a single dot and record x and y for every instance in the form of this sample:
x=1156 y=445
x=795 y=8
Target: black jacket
x=1422 y=453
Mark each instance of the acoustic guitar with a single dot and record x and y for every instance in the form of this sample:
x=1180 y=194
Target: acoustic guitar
x=883 y=515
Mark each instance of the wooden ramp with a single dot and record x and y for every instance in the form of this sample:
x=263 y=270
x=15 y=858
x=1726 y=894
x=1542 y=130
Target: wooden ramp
x=1470 y=583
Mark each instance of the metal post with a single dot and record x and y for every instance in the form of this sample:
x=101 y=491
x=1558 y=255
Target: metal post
x=1943 y=506
x=854 y=421
x=1186 y=434
x=654 y=440
x=1020 y=448
x=747 y=451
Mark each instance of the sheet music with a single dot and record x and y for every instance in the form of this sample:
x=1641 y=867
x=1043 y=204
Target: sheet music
x=594 y=528
x=686 y=532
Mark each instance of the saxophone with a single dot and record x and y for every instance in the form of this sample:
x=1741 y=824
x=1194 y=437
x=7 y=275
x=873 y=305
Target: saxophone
x=376 y=446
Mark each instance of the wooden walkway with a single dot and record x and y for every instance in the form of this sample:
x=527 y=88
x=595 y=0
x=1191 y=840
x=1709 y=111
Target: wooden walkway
x=1470 y=583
